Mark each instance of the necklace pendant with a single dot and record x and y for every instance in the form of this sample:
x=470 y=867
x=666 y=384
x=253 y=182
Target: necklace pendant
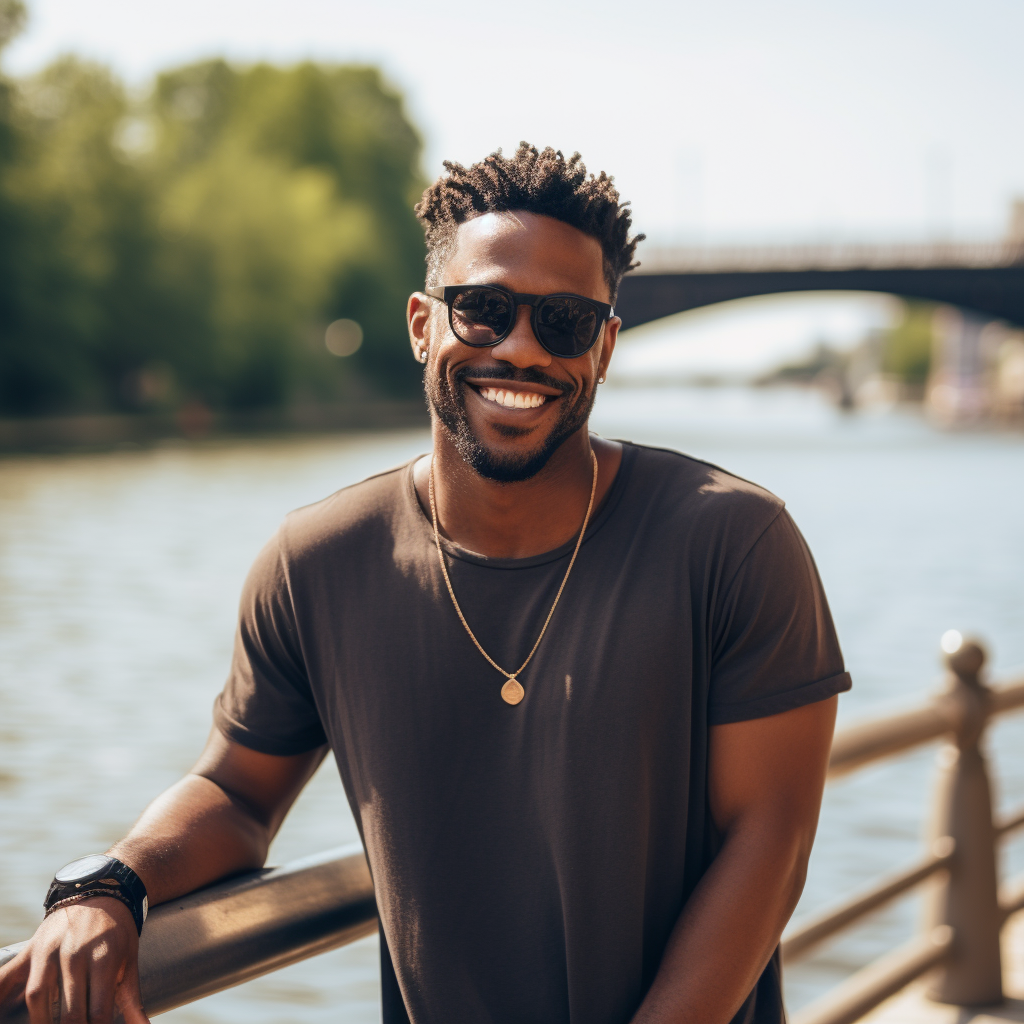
x=512 y=692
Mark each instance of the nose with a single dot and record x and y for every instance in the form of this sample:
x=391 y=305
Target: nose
x=521 y=348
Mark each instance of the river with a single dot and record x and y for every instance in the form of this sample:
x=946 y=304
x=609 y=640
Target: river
x=119 y=578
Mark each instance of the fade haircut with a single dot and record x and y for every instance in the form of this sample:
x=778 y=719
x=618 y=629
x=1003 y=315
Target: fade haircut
x=535 y=182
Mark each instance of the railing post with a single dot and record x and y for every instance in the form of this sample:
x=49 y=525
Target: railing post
x=968 y=899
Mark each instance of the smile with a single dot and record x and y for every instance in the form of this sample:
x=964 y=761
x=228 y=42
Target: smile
x=512 y=399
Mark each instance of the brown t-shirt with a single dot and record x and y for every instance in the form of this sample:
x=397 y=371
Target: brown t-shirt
x=530 y=861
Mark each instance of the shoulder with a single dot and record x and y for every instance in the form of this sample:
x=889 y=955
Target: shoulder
x=716 y=520
x=706 y=495
x=353 y=514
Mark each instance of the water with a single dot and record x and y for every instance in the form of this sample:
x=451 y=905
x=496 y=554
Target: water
x=119 y=577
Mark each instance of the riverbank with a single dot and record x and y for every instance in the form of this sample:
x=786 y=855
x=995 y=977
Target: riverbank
x=195 y=422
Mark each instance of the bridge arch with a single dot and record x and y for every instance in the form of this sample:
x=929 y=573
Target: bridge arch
x=985 y=279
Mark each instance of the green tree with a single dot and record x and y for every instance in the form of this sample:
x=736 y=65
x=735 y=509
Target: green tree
x=907 y=347
x=95 y=308
x=314 y=167
x=273 y=240
x=13 y=231
x=196 y=246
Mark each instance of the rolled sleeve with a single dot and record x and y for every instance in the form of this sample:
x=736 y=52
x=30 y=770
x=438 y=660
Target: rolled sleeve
x=774 y=642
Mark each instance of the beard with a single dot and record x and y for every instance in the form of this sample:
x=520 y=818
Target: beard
x=447 y=400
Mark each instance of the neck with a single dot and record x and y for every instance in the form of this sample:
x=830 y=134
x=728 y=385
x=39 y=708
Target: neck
x=517 y=520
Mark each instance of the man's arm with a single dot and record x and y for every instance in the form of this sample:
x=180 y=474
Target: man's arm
x=217 y=821
x=765 y=782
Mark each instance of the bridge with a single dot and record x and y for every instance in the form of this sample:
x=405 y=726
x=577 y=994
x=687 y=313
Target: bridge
x=986 y=278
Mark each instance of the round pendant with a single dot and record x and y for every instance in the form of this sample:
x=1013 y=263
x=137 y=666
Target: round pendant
x=512 y=692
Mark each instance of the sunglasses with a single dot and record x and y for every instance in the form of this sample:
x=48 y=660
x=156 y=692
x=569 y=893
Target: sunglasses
x=484 y=314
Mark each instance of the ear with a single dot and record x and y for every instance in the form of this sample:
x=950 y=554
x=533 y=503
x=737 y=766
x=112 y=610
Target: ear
x=610 y=336
x=417 y=315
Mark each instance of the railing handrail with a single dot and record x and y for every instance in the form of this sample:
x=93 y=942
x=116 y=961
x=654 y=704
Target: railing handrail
x=967 y=907
x=863 y=991
x=805 y=935
x=873 y=739
x=246 y=926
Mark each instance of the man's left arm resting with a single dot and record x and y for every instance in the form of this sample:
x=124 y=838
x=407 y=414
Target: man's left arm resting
x=765 y=782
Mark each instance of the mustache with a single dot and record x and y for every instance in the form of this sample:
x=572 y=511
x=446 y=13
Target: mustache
x=502 y=371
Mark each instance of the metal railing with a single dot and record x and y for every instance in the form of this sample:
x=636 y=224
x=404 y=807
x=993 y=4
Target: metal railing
x=236 y=930
x=959 y=942
x=245 y=927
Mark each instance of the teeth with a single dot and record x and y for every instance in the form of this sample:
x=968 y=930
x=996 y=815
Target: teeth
x=513 y=399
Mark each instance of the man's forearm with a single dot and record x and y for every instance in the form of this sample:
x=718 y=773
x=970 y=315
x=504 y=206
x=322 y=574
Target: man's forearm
x=728 y=929
x=217 y=821
x=190 y=836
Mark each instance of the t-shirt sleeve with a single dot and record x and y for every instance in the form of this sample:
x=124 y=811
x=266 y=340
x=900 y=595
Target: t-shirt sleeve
x=267 y=703
x=774 y=644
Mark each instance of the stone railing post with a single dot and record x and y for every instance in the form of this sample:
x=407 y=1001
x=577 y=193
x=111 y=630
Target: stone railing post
x=967 y=900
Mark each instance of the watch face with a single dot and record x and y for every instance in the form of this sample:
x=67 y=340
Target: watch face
x=85 y=869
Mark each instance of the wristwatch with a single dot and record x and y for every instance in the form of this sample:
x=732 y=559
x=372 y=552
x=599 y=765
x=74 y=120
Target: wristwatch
x=98 y=875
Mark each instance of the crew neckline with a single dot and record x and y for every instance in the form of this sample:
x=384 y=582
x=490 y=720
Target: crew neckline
x=629 y=453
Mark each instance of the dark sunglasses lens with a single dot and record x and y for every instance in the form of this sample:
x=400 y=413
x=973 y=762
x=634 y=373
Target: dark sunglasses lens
x=480 y=316
x=566 y=326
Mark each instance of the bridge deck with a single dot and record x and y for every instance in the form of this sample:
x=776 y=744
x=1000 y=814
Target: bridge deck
x=911 y=1006
x=987 y=278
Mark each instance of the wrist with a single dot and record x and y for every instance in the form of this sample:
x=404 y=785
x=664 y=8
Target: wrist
x=79 y=898
x=96 y=876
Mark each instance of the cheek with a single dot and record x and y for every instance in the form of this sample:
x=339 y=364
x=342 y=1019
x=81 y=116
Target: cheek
x=439 y=373
x=586 y=379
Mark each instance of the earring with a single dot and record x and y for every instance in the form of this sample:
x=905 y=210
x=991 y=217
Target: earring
x=423 y=357
x=600 y=380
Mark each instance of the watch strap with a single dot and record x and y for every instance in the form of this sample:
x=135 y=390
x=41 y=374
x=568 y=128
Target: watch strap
x=80 y=897
x=118 y=881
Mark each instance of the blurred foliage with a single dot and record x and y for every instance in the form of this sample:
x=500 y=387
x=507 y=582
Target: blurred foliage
x=193 y=247
x=907 y=346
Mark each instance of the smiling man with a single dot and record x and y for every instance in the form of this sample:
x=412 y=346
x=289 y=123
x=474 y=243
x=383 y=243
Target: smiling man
x=580 y=692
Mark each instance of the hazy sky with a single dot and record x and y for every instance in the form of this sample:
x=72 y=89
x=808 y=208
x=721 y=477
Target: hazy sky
x=743 y=339
x=721 y=120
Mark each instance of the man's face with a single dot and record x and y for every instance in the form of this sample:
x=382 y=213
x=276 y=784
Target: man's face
x=503 y=438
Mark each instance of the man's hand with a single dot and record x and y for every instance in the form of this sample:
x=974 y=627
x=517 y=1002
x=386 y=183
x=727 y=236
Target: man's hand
x=215 y=822
x=84 y=958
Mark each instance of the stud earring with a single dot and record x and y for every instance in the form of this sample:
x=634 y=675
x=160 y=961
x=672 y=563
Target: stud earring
x=600 y=380
x=423 y=357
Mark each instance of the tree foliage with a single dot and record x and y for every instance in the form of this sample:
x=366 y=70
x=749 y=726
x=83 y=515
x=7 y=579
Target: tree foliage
x=194 y=246
x=907 y=346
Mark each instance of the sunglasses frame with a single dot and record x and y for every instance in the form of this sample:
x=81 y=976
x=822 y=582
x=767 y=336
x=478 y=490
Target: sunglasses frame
x=447 y=294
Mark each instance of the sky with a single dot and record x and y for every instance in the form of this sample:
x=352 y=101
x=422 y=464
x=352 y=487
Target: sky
x=725 y=122
x=736 y=342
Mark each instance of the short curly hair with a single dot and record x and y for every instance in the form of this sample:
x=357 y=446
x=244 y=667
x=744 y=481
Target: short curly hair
x=534 y=181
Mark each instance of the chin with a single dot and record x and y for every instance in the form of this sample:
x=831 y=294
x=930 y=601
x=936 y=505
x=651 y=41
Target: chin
x=521 y=457
x=506 y=465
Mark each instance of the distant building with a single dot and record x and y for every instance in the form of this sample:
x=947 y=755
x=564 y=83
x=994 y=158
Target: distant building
x=977 y=363
x=977 y=370
x=1009 y=389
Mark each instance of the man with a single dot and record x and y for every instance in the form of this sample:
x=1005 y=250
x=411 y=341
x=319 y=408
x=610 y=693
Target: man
x=581 y=693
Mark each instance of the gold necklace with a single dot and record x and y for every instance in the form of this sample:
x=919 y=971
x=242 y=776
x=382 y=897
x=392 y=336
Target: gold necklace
x=512 y=692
